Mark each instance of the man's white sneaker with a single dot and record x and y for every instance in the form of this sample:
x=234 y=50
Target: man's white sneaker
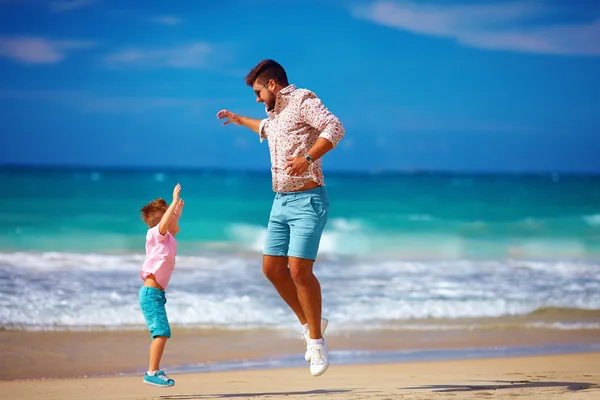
x=306 y=336
x=319 y=361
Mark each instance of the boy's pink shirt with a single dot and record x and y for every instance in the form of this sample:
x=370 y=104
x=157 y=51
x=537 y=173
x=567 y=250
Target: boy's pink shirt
x=160 y=256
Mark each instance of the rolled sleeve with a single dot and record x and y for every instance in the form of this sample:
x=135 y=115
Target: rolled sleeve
x=319 y=117
x=262 y=129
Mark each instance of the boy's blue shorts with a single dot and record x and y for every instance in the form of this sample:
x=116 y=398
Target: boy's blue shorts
x=152 y=302
x=296 y=223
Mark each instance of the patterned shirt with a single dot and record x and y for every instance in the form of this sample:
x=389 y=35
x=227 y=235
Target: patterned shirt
x=298 y=119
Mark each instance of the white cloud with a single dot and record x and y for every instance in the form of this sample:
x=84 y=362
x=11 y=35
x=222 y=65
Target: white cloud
x=508 y=26
x=194 y=55
x=168 y=20
x=39 y=50
x=69 y=5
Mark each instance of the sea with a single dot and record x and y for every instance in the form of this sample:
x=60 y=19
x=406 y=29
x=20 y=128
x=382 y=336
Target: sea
x=400 y=251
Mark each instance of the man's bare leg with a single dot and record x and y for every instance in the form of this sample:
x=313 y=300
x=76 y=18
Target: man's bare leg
x=276 y=270
x=309 y=293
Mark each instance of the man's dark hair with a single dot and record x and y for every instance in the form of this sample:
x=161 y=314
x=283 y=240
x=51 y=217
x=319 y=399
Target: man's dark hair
x=265 y=71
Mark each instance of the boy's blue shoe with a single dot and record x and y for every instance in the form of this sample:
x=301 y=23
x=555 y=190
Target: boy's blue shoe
x=158 y=379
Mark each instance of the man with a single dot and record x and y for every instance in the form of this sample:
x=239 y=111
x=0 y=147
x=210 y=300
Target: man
x=299 y=130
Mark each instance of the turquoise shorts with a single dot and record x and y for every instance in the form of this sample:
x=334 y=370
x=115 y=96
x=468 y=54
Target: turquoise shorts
x=152 y=302
x=296 y=223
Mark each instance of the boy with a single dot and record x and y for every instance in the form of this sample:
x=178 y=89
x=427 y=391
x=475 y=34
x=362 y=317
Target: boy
x=161 y=246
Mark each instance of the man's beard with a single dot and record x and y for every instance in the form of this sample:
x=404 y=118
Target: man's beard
x=270 y=104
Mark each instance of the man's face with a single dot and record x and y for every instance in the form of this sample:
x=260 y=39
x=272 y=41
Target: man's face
x=264 y=94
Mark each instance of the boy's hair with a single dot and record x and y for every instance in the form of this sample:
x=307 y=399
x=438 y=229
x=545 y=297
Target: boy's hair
x=265 y=71
x=154 y=211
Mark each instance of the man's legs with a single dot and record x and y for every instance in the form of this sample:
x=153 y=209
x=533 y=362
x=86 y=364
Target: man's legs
x=298 y=287
x=276 y=270
x=308 y=293
x=306 y=215
x=275 y=260
x=294 y=231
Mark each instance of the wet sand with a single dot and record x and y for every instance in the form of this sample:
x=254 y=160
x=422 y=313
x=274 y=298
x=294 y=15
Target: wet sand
x=34 y=355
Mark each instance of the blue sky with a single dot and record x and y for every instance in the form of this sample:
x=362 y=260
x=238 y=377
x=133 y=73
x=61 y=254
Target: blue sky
x=427 y=85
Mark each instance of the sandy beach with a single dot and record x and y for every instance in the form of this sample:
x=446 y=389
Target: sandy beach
x=544 y=377
x=69 y=354
x=109 y=365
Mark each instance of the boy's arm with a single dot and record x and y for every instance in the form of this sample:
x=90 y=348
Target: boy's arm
x=177 y=215
x=179 y=208
x=163 y=226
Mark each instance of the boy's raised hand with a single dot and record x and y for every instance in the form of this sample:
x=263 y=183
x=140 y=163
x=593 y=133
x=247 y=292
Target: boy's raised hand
x=179 y=208
x=176 y=192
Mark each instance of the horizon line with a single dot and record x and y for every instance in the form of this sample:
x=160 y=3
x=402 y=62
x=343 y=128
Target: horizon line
x=263 y=171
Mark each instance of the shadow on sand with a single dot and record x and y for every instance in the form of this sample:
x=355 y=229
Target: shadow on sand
x=498 y=385
x=249 y=395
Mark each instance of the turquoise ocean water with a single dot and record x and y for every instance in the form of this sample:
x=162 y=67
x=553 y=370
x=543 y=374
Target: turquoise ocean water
x=398 y=248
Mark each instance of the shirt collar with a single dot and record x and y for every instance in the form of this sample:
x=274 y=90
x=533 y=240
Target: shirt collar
x=280 y=99
x=287 y=90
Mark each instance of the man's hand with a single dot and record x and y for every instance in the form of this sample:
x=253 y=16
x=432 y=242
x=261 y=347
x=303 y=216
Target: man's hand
x=296 y=166
x=229 y=117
